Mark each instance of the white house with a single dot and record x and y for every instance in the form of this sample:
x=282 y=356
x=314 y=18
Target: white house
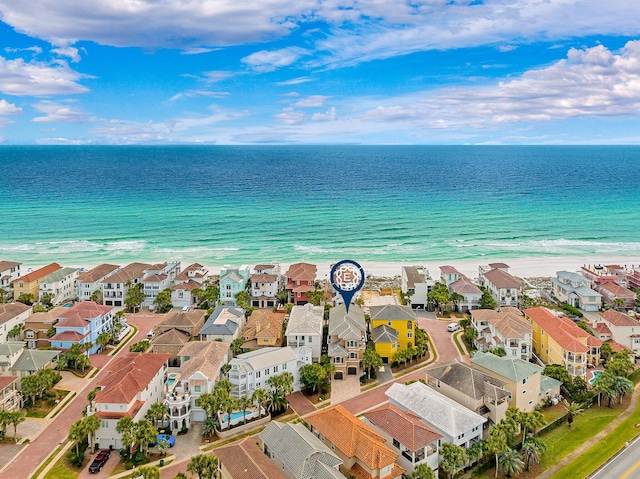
x=265 y=283
x=9 y=271
x=200 y=366
x=305 y=328
x=457 y=424
x=116 y=285
x=232 y=281
x=158 y=277
x=416 y=282
x=134 y=382
x=60 y=284
x=506 y=329
x=503 y=287
x=224 y=324
x=621 y=328
x=250 y=371
x=11 y=315
x=90 y=281
x=192 y=277
x=575 y=289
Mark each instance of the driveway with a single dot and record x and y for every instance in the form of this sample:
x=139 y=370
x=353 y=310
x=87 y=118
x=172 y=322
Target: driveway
x=343 y=389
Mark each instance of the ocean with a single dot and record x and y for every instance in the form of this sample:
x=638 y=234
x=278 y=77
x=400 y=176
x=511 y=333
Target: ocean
x=217 y=205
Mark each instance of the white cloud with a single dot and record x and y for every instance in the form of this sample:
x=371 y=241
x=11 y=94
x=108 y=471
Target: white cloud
x=36 y=50
x=197 y=50
x=290 y=117
x=590 y=82
x=215 y=76
x=70 y=52
x=196 y=93
x=57 y=112
x=295 y=81
x=7 y=108
x=329 y=115
x=268 y=61
x=311 y=101
x=18 y=77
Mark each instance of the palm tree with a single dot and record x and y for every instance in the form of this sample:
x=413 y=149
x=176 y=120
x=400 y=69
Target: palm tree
x=603 y=385
x=236 y=346
x=124 y=427
x=530 y=421
x=91 y=424
x=573 y=410
x=260 y=396
x=621 y=386
x=371 y=360
x=204 y=466
x=143 y=433
x=162 y=446
x=511 y=462
x=244 y=403
x=496 y=443
x=148 y=472
x=476 y=451
x=15 y=418
x=76 y=434
x=157 y=413
x=452 y=458
x=211 y=425
x=422 y=471
x=532 y=451
x=103 y=339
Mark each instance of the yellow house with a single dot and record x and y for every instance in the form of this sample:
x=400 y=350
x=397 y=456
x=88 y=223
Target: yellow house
x=392 y=329
x=30 y=283
x=560 y=341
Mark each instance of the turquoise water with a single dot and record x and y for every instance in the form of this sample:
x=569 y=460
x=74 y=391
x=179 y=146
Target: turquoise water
x=235 y=415
x=171 y=380
x=595 y=376
x=234 y=205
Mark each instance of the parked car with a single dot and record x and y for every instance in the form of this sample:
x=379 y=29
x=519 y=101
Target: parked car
x=99 y=461
x=171 y=440
x=453 y=327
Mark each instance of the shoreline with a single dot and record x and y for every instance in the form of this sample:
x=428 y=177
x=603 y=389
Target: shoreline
x=520 y=267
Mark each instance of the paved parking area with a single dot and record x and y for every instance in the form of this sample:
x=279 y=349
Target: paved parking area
x=344 y=389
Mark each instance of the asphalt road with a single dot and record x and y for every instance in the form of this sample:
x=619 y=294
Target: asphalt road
x=626 y=465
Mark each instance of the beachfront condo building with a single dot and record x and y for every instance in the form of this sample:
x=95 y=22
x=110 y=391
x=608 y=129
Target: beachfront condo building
x=265 y=284
x=504 y=288
x=558 y=340
x=134 y=382
x=30 y=282
x=91 y=281
x=192 y=277
x=392 y=329
x=158 y=277
x=347 y=340
x=116 y=285
x=232 y=281
x=416 y=283
x=59 y=286
x=575 y=290
x=458 y=283
x=301 y=278
x=304 y=329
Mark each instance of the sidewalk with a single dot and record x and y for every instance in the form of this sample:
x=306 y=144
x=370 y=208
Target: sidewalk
x=575 y=454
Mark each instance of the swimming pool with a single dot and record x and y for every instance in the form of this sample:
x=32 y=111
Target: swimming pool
x=172 y=379
x=595 y=376
x=236 y=415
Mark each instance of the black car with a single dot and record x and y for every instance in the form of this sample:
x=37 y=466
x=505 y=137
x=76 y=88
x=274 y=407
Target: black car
x=99 y=461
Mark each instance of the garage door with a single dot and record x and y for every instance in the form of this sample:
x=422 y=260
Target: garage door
x=338 y=375
x=352 y=371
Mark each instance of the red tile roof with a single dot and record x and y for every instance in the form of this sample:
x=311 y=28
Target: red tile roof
x=403 y=426
x=502 y=280
x=129 y=375
x=618 y=290
x=6 y=380
x=9 y=311
x=72 y=336
x=245 y=460
x=449 y=270
x=97 y=273
x=302 y=272
x=564 y=331
x=120 y=414
x=616 y=318
x=78 y=315
x=353 y=437
x=39 y=273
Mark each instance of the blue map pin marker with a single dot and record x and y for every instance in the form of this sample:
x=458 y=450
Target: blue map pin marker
x=347 y=278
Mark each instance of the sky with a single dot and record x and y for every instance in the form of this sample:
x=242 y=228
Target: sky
x=320 y=72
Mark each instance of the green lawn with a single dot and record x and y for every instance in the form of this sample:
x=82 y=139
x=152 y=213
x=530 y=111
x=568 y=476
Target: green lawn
x=601 y=452
x=60 y=471
x=562 y=440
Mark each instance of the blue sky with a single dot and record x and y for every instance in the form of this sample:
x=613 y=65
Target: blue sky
x=315 y=71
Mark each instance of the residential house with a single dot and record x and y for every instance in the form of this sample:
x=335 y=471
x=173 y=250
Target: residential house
x=633 y=279
x=523 y=379
x=301 y=278
x=38 y=328
x=116 y=285
x=305 y=328
x=600 y=274
x=400 y=319
x=504 y=288
x=298 y=452
x=505 y=329
x=82 y=323
x=200 y=365
x=458 y=283
x=170 y=342
x=59 y=285
x=575 y=290
x=232 y=281
x=90 y=281
x=189 y=322
x=560 y=341
x=474 y=389
x=416 y=442
x=244 y=459
x=192 y=277
x=11 y=316
x=10 y=395
x=265 y=284
x=158 y=277
x=619 y=327
x=457 y=424
x=133 y=383
x=347 y=340
x=362 y=450
x=10 y=351
x=252 y=370
x=612 y=293
x=31 y=361
x=263 y=329
x=224 y=324
x=416 y=282
x=30 y=282
x=9 y=271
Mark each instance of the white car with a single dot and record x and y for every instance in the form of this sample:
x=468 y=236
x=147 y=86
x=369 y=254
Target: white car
x=453 y=327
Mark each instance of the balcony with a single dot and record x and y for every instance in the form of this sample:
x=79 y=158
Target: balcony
x=576 y=359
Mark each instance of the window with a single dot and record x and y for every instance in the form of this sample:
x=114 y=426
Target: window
x=337 y=360
x=389 y=323
x=257 y=374
x=104 y=424
x=396 y=443
x=309 y=339
x=409 y=334
x=284 y=366
x=266 y=371
x=301 y=338
x=524 y=381
x=409 y=324
x=275 y=369
x=197 y=389
x=30 y=334
x=353 y=356
x=353 y=344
